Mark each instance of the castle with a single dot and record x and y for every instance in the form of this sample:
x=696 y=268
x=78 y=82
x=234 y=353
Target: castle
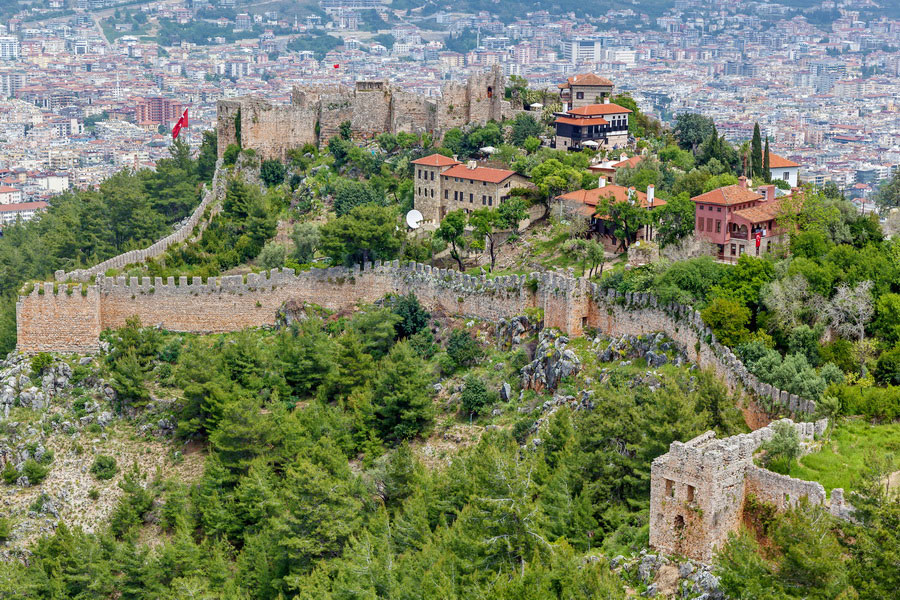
x=698 y=489
x=371 y=107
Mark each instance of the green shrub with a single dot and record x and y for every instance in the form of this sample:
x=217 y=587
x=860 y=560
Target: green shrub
x=5 y=528
x=39 y=363
x=104 y=467
x=887 y=369
x=94 y=494
x=782 y=449
x=9 y=474
x=34 y=471
x=475 y=395
x=872 y=402
x=462 y=349
x=231 y=154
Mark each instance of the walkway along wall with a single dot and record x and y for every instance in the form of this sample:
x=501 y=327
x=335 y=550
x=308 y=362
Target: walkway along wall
x=63 y=318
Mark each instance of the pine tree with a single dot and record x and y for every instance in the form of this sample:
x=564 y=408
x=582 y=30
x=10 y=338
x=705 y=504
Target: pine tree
x=403 y=394
x=756 y=158
x=767 y=171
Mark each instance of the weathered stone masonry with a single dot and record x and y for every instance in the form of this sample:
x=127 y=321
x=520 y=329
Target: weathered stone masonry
x=65 y=319
x=371 y=107
x=698 y=489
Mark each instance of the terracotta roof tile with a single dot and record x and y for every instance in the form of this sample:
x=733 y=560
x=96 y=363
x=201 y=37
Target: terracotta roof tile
x=778 y=162
x=593 y=110
x=436 y=160
x=584 y=121
x=586 y=79
x=617 y=193
x=728 y=195
x=478 y=173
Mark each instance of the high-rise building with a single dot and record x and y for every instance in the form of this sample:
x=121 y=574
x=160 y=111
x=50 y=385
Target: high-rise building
x=9 y=48
x=157 y=110
x=10 y=83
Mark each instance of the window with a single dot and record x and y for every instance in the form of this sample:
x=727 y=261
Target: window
x=419 y=174
x=471 y=198
x=719 y=209
x=700 y=223
x=699 y=207
x=483 y=199
x=708 y=224
x=670 y=488
x=718 y=226
x=786 y=176
x=432 y=192
x=432 y=175
x=446 y=194
x=484 y=183
x=490 y=200
x=579 y=95
x=456 y=195
x=690 y=493
x=733 y=249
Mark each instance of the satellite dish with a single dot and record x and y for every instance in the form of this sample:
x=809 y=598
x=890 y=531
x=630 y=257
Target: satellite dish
x=414 y=219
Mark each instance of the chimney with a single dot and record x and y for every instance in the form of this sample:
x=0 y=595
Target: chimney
x=471 y=165
x=623 y=157
x=601 y=182
x=456 y=157
x=606 y=100
x=742 y=181
x=651 y=195
x=769 y=192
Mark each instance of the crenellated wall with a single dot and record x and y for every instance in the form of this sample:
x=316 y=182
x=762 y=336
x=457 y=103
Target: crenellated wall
x=371 y=107
x=698 y=489
x=233 y=302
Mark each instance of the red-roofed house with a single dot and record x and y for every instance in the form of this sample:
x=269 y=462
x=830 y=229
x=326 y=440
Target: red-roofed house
x=784 y=169
x=586 y=203
x=739 y=220
x=444 y=184
x=595 y=125
x=10 y=195
x=9 y=213
x=581 y=90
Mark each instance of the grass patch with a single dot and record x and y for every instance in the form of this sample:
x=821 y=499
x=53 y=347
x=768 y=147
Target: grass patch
x=846 y=455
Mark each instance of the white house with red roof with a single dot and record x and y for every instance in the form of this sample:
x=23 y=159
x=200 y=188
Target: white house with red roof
x=10 y=213
x=10 y=195
x=443 y=184
x=592 y=126
x=784 y=169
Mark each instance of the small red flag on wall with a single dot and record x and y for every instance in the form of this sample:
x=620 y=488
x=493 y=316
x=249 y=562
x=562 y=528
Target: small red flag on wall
x=337 y=66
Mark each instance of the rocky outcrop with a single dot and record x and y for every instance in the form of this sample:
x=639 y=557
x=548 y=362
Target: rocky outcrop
x=552 y=362
x=656 y=348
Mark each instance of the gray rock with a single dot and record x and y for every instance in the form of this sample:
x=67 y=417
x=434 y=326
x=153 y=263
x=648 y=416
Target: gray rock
x=651 y=590
x=505 y=392
x=647 y=567
x=437 y=388
x=104 y=418
x=616 y=561
x=85 y=360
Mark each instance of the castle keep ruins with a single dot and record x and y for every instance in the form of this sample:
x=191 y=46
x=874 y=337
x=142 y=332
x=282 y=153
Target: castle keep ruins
x=372 y=107
x=698 y=489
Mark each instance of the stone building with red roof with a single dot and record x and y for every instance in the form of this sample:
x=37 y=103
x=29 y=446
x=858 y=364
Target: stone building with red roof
x=443 y=184
x=583 y=90
x=739 y=220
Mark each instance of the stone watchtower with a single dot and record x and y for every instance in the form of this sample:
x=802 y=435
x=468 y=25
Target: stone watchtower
x=697 y=489
x=427 y=185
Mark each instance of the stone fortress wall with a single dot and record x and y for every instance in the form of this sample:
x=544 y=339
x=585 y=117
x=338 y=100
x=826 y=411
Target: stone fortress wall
x=698 y=489
x=372 y=107
x=65 y=318
x=194 y=225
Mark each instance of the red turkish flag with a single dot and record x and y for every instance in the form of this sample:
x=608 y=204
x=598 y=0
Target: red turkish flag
x=758 y=238
x=177 y=129
x=184 y=117
x=337 y=66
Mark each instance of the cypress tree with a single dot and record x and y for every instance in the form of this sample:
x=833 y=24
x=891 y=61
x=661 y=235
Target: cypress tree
x=756 y=162
x=767 y=171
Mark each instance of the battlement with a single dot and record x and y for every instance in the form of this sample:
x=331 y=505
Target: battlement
x=371 y=107
x=698 y=488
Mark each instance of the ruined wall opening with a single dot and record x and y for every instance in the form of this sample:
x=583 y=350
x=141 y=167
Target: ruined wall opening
x=490 y=92
x=679 y=524
x=670 y=488
x=690 y=493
